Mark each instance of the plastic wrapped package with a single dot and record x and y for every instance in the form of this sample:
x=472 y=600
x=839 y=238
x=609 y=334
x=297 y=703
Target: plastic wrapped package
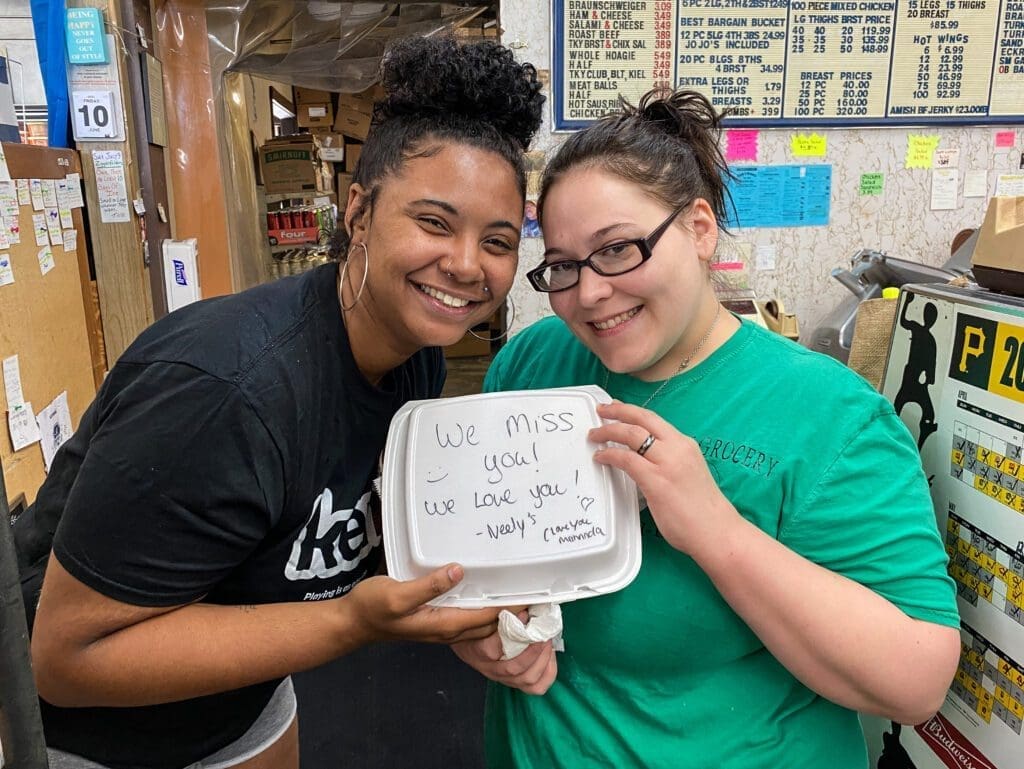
x=332 y=46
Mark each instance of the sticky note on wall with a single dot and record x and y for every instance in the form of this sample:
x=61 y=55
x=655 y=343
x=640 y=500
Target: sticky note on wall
x=872 y=184
x=1006 y=138
x=921 y=150
x=808 y=145
x=741 y=144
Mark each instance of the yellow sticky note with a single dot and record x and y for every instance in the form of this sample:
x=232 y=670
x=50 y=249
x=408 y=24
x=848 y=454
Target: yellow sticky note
x=808 y=146
x=920 y=150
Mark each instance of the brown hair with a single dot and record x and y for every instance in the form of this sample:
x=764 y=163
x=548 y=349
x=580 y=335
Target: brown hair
x=667 y=144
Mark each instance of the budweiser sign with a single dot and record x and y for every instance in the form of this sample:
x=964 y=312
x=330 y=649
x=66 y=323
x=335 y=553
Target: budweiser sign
x=950 y=745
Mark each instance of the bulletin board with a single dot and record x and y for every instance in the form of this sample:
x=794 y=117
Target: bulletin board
x=44 y=319
x=795 y=62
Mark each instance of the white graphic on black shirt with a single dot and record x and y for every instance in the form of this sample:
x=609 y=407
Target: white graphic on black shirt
x=332 y=541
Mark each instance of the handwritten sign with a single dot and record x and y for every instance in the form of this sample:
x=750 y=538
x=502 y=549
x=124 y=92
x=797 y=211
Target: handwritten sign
x=506 y=483
x=741 y=144
x=872 y=184
x=921 y=150
x=804 y=146
x=1006 y=139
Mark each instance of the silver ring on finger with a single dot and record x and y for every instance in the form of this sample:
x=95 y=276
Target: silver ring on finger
x=646 y=445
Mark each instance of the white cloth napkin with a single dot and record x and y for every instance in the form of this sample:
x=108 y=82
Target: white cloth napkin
x=544 y=624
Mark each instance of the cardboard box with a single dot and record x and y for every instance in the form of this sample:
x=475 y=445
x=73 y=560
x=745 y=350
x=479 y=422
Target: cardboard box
x=360 y=102
x=310 y=95
x=332 y=147
x=353 y=124
x=306 y=198
x=292 y=165
x=315 y=115
x=344 y=181
x=293 y=236
x=352 y=153
x=998 y=259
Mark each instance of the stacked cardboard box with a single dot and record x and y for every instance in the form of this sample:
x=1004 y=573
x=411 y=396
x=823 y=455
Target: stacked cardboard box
x=332 y=147
x=355 y=112
x=344 y=181
x=314 y=108
x=353 y=150
x=293 y=164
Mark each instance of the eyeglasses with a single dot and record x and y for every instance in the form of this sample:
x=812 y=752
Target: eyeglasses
x=614 y=259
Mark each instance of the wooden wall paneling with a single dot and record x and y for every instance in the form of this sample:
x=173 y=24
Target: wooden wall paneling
x=46 y=320
x=122 y=276
x=159 y=214
x=135 y=15
x=250 y=252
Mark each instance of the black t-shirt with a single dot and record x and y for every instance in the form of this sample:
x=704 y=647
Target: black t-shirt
x=228 y=457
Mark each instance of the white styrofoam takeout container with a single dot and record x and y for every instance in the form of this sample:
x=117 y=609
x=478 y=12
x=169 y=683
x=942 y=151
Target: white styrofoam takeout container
x=506 y=485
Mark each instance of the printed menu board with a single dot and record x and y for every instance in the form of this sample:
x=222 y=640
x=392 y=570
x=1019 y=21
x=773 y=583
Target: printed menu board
x=799 y=62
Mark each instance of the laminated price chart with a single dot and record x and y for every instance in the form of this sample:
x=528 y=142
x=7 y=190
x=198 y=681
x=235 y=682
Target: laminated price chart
x=796 y=62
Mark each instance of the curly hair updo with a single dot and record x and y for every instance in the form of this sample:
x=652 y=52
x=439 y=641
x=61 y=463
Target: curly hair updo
x=442 y=91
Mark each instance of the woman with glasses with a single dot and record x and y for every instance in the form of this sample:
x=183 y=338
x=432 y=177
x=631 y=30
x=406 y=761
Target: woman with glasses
x=792 y=572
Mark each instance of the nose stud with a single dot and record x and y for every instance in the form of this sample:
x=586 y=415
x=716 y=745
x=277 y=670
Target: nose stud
x=447 y=269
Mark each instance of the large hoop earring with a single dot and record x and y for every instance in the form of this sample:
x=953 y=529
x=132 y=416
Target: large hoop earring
x=503 y=334
x=344 y=272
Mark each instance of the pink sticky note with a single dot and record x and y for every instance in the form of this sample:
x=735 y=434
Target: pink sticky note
x=741 y=144
x=1006 y=138
x=728 y=266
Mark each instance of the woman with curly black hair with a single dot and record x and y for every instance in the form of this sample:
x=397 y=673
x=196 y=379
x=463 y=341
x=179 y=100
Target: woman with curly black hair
x=215 y=533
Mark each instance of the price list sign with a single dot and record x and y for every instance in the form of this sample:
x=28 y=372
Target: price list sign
x=1008 y=78
x=856 y=36
x=942 y=62
x=736 y=56
x=613 y=47
x=796 y=62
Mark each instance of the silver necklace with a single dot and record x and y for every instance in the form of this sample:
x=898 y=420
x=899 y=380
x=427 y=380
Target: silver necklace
x=682 y=366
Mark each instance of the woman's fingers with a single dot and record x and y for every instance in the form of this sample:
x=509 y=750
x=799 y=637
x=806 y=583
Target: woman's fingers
x=533 y=671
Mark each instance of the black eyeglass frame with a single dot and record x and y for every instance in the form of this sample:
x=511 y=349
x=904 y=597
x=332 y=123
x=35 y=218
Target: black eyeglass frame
x=646 y=246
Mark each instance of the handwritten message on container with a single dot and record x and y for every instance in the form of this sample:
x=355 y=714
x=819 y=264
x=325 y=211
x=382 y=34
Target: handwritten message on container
x=510 y=480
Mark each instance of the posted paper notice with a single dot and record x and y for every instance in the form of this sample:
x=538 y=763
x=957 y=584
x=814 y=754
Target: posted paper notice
x=22 y=424
x=54 y=427
x=945 y=182
x=110 y=186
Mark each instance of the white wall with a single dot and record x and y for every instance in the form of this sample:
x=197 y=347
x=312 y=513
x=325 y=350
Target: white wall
x=898 y=222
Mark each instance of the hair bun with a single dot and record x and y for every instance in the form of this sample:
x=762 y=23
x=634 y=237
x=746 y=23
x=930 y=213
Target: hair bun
x=436 y=76
x=687 y=114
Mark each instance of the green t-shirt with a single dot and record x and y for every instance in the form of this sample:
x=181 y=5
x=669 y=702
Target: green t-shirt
x=664 y=673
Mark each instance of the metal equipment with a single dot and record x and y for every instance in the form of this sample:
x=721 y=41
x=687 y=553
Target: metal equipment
x=871 y=271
